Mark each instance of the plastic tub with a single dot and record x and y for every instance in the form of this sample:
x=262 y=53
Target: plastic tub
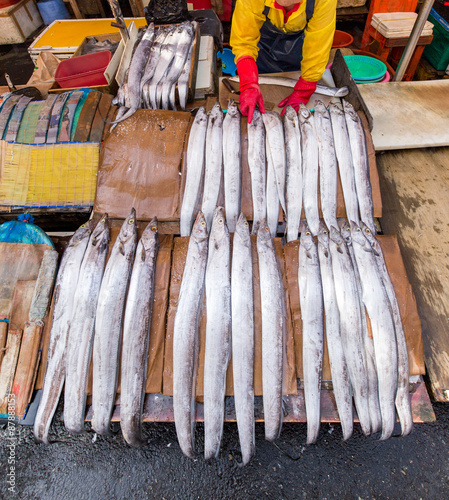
x=83 y=71
x=341 y=39
x=51 y=10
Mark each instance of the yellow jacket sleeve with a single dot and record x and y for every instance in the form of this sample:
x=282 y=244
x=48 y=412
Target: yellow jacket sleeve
x=319 y=34
x=248 y=18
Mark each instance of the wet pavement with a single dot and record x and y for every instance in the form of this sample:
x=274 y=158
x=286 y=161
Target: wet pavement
x=95 y=467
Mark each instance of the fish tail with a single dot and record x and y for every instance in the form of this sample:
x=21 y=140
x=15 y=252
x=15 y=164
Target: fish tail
x=127 y=115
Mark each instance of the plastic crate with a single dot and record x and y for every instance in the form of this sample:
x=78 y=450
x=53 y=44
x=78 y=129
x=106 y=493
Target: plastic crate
x=437 y=53
x=83 y=71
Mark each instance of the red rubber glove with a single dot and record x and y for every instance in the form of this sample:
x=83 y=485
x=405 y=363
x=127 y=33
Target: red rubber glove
x=302 y=92
x=250 y=95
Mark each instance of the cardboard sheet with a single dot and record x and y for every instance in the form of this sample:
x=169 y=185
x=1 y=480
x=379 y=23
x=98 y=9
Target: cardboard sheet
x=140 y=166
x=404 y=294
x=179 y=257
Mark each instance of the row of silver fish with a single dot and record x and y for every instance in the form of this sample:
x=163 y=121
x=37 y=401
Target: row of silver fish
x=230 y=327
x=94 y=308
x=292 y=161
x=344 y=274
x=161 y=63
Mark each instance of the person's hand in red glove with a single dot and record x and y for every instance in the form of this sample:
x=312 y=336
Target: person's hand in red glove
x=250 y=95
x=302 y=92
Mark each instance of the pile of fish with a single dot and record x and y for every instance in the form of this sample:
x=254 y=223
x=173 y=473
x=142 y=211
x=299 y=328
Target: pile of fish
x=228 y=285
x=95 y=305
x=288 y=158
x=160 y=64
x=51 y=121
x=342 y=276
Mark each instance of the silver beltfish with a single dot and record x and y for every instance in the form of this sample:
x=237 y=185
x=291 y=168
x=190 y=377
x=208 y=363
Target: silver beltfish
x=379 y=310
x=274 y=132
x=150 y=68
x=370 y=358
x=339 y=370
x=309 y=148
x=294 y=178
x=311 y=302
x=185 y=337
x=345 y=165
x=136 y=330
x=242 y=302
x=273 y=331
x=109 y=324
x=81 y=333
x=403 y=403
x=357 y=141
x=232 y=164
x=183 y=80
x=351 y=329
x=218 y=332
x=179 y=59
x=136 y=69
x=272 y=194
x=328 y=164
x=195 y=171
x=65 y=286
x=257 y=169
x=214 y=164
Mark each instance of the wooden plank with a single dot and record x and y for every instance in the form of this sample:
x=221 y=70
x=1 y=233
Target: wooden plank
x=159 y=408
x=408 y=114
x=415 y=189
x=8 y=367
x=99 y=121
x=86 y=117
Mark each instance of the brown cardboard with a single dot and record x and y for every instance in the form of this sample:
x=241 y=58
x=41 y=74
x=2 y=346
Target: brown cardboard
x=404 y=294
x=179 y=257
x=140 y=164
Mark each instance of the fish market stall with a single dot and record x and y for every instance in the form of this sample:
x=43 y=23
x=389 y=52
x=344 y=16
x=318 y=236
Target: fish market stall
x=167 y=309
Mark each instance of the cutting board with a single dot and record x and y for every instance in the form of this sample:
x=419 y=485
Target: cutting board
x=408 y=114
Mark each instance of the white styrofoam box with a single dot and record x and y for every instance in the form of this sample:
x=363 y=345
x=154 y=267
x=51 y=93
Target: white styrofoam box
x=18 y=21
x=205 y=73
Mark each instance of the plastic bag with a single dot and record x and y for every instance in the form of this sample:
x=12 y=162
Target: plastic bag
x=166 y=11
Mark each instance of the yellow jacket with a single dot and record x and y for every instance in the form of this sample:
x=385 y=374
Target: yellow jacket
x=248 y=19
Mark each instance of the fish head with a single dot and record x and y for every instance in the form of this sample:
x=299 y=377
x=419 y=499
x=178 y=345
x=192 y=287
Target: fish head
x=219 y=229
x=306 y=237
x=349 y=110
x=256 y=117
x=320 y=108
x=201 y=115
x=263 y=232
x=290 y=113
x=345 y=230
x=128 y=233
x=199 y=230
x=336 y=237
x=333 y=108
x=358 y=237
x=216 y=113
x=101 y=230
x=150 y=234
x=323 y=238
x=83 y=232
x=304 y=114
x=242 y=229
x=233 y=109
x=370 y=238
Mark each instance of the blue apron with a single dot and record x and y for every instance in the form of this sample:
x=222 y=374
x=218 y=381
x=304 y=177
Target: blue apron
x=280 y=51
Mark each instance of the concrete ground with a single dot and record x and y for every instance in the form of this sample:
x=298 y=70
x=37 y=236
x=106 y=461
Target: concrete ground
x=94 y=467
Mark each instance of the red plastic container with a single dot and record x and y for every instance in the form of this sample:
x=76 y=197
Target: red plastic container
x=83 y=71
x=342 y=39
x=7 y=3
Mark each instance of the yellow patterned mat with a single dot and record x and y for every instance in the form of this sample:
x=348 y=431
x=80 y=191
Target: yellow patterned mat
x=48 y=175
